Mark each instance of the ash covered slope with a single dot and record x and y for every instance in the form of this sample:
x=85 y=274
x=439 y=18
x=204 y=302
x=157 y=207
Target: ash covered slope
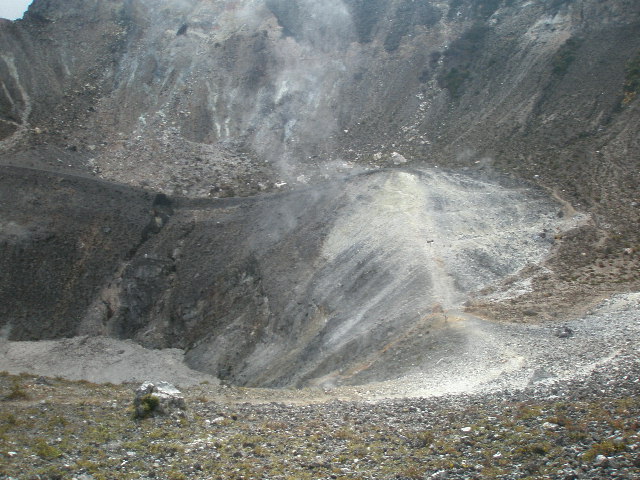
x=318 y=285
x=233 y=98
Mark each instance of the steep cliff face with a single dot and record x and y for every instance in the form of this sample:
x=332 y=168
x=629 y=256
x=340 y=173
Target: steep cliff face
x=259 y=98
x=289 y=86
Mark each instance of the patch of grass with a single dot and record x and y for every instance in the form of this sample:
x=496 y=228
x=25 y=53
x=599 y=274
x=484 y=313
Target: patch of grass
x=52 y=472
x=166 y=449
x=9 y=419
x=421 y=439
x=412 y=472
x=274 y=425
x=527 y=412
x=176 y=475
x=17 y=392
x=88 y=465
x=535 y=448
x=99 y=435
x=46 y=451
x=606 y=448
x=561 y=420
x=57 y=421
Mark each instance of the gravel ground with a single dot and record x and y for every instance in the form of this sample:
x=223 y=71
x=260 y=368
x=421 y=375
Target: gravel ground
x=98 y=359
x=566 y=408
x=499 y=356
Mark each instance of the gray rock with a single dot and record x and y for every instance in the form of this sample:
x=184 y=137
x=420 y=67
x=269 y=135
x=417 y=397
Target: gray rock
x=398 y=159
x=161 y=398
x=42 y=381
x=564 y=332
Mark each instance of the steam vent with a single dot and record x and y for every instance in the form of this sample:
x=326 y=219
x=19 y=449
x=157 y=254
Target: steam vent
x=323 y=194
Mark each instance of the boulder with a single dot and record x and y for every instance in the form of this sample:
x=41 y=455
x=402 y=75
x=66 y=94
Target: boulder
x=398 y=159
x=160 y=398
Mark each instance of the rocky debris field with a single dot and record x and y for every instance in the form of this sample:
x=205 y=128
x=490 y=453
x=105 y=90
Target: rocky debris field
x=586 y=429
x=494 y=356
x=580 y=426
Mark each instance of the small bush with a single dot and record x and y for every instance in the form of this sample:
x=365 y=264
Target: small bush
x=8 y=418
x=412 y=472
x=606 y=448
x=176 y=475
x=148 y=406
x=17 y=392
x=528 y=412
x=46 y=451
x=536 y=448
x=421 y=439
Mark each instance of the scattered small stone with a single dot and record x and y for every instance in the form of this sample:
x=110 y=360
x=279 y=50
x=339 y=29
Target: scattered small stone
x=42 y=381
x=83 y=476
x=564 y=332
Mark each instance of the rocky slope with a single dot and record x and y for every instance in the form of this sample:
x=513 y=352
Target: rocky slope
x=274 y=290
x=581 y=429
x=129 y=130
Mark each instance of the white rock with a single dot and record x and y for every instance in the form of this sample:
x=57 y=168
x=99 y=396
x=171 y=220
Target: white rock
x=601 y=460
x=397 y=158
x=169 y=400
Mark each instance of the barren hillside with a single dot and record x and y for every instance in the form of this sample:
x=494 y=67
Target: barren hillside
x=304 y=193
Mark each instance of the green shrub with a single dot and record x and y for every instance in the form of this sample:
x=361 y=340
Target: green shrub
x=149 y=404
x=46 y=451
x=453 y=81
x=17 y=392
x=421 y=439
x=606 y=448
x=460 y=58
x=536 y=448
